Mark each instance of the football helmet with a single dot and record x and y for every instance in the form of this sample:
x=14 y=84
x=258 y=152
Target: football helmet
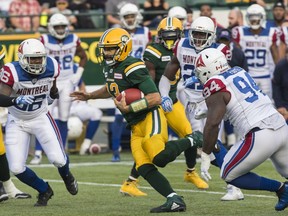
x=130 y=9
x=169 y=31
x=58 y=26
x=115 y=45
x=178 y=12
x=255 y=16
x=202 y=33
x=210 y=62
x=32 y=56
x=75 y=127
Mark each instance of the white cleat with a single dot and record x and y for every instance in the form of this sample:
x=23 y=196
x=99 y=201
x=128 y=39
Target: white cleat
x=233 y=193
x=36 y=160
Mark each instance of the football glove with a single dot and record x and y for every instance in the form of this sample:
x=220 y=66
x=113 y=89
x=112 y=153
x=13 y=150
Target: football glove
x=167 y=104
x=205 y=165
x=24 y=99
x=188 y=83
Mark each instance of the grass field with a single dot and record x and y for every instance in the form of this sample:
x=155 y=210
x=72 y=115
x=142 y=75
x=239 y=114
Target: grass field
x=99 y=182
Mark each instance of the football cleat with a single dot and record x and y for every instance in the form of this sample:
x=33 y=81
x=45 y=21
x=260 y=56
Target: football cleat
x=282 y=198
x=130 y=188
x=195 y=179
x=36 y=160
x=19 y=195
x=233 y=193
x=44 y=197
x=71 y=184
x=3 y=195
x=115 y=158
x=173 y=204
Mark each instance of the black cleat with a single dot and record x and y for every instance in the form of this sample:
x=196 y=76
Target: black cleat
x=44 y=197
x=71 y=184
x=173 y=204
x=282 y=198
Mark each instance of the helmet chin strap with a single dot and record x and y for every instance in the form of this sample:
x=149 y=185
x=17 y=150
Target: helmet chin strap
x=169 y=44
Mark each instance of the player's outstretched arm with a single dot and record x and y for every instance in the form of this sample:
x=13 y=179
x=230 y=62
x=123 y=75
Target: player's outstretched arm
x=84 y=96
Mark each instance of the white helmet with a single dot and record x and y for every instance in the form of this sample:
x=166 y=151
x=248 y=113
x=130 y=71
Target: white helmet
x=58 y=20
x=130 y=9
x=28 y=51
x=207 y=30
x=210 y=62
x=256 y=13
x=75 y=127
x=178 y=12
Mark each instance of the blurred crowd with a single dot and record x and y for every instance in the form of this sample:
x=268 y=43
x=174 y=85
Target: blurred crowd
x=33 y=15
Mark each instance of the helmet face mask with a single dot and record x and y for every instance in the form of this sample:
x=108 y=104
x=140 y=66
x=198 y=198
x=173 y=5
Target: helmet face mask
x=255 y=16
x=115 y=45
x=32 y=56
x=130 y=16
x=58 y=26
x=169 y=32
x=202 y=33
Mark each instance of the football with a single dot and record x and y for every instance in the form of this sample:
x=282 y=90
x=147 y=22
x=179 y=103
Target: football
x=94 y=149
x=131 y=95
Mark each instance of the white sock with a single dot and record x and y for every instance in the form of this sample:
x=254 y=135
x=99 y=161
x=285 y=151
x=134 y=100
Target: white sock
x=38 y=153
x=10 y=188
x=172 y=194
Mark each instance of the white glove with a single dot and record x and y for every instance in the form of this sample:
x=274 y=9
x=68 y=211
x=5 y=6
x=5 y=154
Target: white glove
x=24 y=99
x=205 y=165
x=167 y=104
x=77 y=76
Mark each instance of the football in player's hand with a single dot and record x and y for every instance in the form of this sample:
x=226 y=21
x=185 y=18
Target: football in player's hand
x=94 y=148
x=131 y=95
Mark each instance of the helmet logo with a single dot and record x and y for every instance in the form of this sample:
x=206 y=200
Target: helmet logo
x=20 y=48
x=200 y=62
x=124 y=38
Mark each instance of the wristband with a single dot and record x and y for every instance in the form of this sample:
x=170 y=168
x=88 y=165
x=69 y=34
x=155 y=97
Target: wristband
x=138 y=105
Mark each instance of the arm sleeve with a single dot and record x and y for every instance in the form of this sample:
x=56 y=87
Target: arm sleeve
x=6 y=101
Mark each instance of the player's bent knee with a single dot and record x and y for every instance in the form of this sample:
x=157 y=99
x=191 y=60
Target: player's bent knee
x=146 y=170
x=161 y=160
x=56 y=161
x=16 y=169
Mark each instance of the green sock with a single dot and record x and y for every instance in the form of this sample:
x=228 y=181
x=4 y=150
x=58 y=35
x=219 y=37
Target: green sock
x=156 y=179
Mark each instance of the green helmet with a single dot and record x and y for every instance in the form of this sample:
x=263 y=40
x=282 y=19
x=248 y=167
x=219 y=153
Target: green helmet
x=2 y=56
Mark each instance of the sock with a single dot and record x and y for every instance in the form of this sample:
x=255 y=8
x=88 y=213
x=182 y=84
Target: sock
x=91 y=129
x=63 y=128
x=190 y=157
x=219 y=155
x=30 y=178
x=64 y=170
x=38 y=153
x=4 y=168
x=9 y=187
x=252 y=181
x=172 y=149
x=117 y=128
x=155 y=179
x=38 y=146
x=190 y=170
x=172 y=194
x=134 y=175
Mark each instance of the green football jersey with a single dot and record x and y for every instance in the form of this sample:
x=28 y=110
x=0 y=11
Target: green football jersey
x=130 y=73
x=160 y=56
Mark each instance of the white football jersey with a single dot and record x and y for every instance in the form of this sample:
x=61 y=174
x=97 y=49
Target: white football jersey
x=256 y=49
x=64 y=52
x=248 y=106
x=22 y=84
x=186 y=55
x=140 y=40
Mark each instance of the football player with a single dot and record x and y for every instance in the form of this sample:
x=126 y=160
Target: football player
x=147 y=122
x=257 y=42
x=232 y=92
x=201 y=36
x=26 y=87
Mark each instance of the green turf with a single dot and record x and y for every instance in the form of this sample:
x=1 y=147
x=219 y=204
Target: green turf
x=99 y=195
